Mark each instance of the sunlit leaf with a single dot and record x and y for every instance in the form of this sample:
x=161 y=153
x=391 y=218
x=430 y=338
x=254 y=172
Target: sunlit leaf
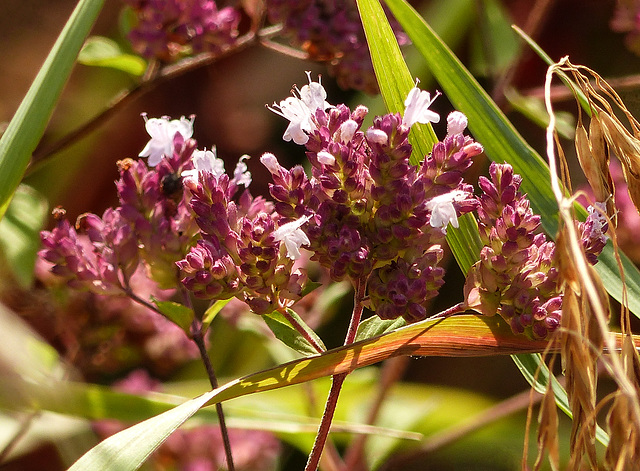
x=289 y=335
x=99 y=51
x=375 y=326
x=212 y=311
x=177 y=313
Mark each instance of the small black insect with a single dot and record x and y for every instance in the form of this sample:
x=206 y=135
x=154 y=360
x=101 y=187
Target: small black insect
x=171 y=185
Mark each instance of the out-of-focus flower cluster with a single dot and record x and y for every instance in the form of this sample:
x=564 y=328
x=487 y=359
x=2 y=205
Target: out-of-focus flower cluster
x=368 y=212
x=331 y=31
x=517 y=275
x=102 y=336
x=169 y=29
x=328 y=31
x=626 y=20
x=200 y=447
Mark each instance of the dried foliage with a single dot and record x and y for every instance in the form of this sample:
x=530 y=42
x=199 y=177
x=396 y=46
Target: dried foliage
x=585 y=313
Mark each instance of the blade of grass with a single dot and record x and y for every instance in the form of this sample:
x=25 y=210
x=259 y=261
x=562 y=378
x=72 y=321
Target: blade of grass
x=386 y=55
x=28 y=124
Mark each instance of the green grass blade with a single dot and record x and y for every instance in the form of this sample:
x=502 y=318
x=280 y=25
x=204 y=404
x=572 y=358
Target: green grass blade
x=393 y=76
x=528 y=364
x=28 y=124
x=130 y=448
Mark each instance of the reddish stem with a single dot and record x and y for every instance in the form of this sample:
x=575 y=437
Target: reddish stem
x=302 y=331
x=336 y=382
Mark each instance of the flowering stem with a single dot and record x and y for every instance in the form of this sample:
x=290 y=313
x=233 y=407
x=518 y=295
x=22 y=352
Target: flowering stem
x=452 y=311
x=196 y=333
x=302 y=331
x=336 y=381
x=198 y=339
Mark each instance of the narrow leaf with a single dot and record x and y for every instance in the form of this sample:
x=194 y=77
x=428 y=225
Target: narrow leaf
x=177 y=313
x=211 y=313
x=393 y=76
x=20 y=233
x=283 y=329
x=99 y=51
x=465 y=242
x=27 y=125
x=127 y=450
x=536 y=372
x=463 y=335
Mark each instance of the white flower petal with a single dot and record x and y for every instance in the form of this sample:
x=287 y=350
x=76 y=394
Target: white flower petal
x=443 y=212
x=456 y=123
x=417 y=108
x=292 y=236
x=300 y=111
x=163 y=131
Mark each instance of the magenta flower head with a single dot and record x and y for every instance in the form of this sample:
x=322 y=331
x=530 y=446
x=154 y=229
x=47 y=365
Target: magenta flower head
x=169 y=29
x=244 y=250
x=331 y=32
x=366 y=211
x=517 y=275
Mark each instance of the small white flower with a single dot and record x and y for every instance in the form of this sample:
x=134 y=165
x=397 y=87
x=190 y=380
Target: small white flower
x=377 y=136
x=326 y=158
x=300 y=108
x=599 y=220
x=163 y=131
x=442 y=210
x=241 y=174
x=271 y=162
x=346 y=131
x=293 y=237
x=417 y=107
x=456 y=123
x=204 y=161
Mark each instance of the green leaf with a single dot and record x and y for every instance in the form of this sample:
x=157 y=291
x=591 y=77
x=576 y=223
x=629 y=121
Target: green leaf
x=177 y=313
x=99 y=51
x=27 y=125
x=20 y=232
x=211 y=313
x=463 y=335
x=501 y=141
x=465 y=242
x=374 y=326
x=533 y=108
x=536 y=372
x=394 y=86
x=284 y=331
x=127 y=450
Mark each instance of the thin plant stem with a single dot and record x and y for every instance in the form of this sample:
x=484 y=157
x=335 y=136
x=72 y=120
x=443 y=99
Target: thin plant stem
x=198 y=339
x=337 y=381
x=25 y=425
x=302 y=331
x=154 y=77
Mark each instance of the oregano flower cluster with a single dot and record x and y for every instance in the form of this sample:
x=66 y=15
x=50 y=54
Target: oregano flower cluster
x=370 y=213
x=365 y=213
x=517 y=274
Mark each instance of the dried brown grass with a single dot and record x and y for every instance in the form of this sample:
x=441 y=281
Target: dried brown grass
x=585 y=333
